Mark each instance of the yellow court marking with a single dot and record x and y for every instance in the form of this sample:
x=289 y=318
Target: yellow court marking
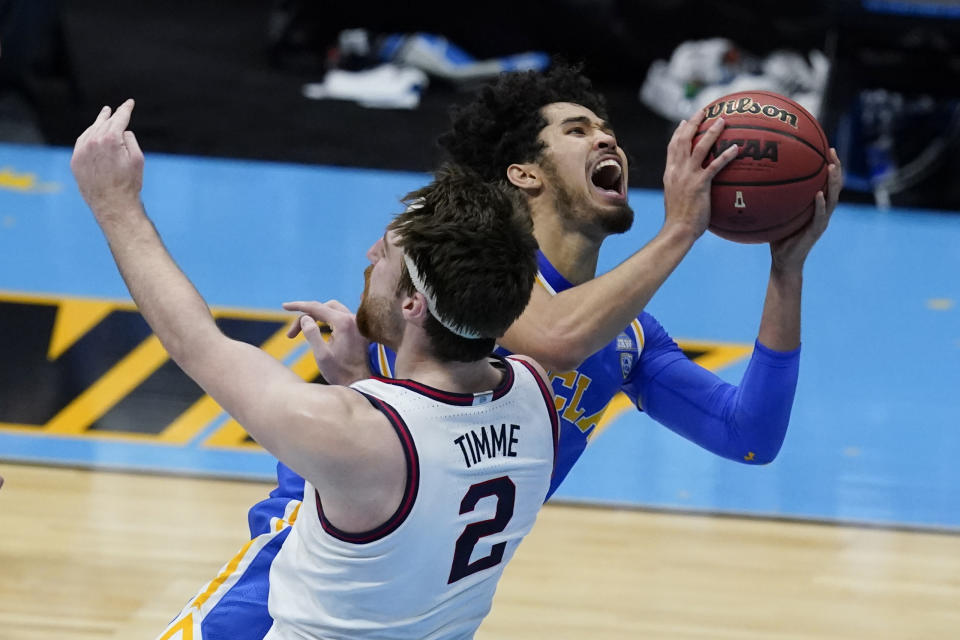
x=203 y=411
x=74 y=319
x=718 y=354
x=190 y=422
x=940 y=304
x=112 y=387
x=25 y=182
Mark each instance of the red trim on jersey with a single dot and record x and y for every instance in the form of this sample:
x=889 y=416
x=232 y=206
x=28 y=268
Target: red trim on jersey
x=450 y=397
x=409 y=494
x=551 y=406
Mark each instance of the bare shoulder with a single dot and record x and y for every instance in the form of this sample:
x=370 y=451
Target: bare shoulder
x=333 y=434
x=345 y=413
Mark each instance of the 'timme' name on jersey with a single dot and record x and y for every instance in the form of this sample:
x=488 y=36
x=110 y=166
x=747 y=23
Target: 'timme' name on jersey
x=488 y=442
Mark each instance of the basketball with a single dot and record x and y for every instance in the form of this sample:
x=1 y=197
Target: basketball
x=767 y=192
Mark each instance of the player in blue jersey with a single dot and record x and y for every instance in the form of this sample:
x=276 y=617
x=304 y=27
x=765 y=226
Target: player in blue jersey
x=549 y=137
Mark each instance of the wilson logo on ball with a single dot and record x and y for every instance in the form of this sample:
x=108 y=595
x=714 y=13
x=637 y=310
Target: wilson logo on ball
x=747 y=106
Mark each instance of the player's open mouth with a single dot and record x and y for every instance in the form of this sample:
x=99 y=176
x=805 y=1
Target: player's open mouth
x=607 y=178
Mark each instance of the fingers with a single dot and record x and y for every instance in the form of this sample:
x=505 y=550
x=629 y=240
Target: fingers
x=121 y=118
x=821 y=214
x=314 y=338
x=722 y=160
x=336 y=304
x=707 y=140
x=687 y=129
x=109 y=123
x=697 y=118
x=130 y=142
x=103 y=116
x=294 y=330
x=328 y=315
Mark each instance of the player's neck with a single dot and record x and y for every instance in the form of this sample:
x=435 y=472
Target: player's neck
x=570 y=252
x=416 y=362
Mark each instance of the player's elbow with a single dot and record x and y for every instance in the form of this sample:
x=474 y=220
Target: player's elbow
x=563 y=349
x=561 y=362
x=761 y=451
x=559 y=358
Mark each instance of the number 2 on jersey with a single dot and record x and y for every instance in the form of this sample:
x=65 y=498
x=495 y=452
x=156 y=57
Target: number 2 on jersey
x=506 y=493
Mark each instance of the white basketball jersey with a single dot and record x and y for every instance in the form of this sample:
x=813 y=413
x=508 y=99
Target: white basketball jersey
x=478 y=470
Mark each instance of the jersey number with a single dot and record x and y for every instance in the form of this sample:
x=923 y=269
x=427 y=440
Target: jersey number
x=506 y=493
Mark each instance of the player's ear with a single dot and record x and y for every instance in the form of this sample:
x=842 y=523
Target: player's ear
x=525 y=176
x=415 y=309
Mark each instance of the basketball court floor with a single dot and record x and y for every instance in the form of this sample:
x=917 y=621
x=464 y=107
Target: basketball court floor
x=857 y=521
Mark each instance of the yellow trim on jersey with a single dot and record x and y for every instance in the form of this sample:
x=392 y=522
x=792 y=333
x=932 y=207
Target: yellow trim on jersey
x=546 y=285
x=638 y=331
x=184 y=624
x=225 y=573
x=188 y=623
x=384 y=361
x=279 y=525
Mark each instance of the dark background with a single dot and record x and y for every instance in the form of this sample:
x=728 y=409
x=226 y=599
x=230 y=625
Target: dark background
x=224 y=79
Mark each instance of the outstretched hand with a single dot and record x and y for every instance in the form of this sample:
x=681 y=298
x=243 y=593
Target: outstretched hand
x=107 y=163
x=342 y=357
x=790 y=253
x=686 y=183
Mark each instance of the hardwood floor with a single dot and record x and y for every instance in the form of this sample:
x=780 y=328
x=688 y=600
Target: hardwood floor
x=96 y=555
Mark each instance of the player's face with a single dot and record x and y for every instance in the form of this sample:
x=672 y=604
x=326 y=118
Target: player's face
x=379 y=318
x=584 y=168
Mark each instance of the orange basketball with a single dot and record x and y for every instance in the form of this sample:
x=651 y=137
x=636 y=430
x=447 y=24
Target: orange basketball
x=767 y=192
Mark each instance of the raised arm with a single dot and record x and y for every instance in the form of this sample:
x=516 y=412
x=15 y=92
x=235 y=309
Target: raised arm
x=780 y=322
x=562 y=330
x=324 y=433
x=745 y=422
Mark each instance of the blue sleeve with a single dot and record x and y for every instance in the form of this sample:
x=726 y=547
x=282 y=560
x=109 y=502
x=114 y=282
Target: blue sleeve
x=746 y=423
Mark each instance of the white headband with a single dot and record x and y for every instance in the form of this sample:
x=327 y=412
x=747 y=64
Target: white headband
x=420 y=285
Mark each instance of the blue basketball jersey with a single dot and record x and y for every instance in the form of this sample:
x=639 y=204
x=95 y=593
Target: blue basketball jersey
x=582 y=395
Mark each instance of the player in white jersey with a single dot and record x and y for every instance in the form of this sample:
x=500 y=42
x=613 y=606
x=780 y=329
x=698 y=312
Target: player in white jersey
x=420 y=489
x=477 y=466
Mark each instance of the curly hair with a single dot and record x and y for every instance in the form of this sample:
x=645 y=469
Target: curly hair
x=500 y=126
x=475 y=248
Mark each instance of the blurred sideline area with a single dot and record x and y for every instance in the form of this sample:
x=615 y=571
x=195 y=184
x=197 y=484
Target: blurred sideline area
x=369 y=84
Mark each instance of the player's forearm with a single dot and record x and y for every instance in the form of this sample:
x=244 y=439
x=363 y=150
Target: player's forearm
x=780 y=322
x=746 y=423
x=585 y=318
x=168 y=301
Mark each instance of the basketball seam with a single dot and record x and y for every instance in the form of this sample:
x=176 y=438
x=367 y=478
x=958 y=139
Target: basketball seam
x=753 y=231
x=770 y=184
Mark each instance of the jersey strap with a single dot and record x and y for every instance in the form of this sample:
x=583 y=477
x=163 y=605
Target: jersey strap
x=409 y=494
